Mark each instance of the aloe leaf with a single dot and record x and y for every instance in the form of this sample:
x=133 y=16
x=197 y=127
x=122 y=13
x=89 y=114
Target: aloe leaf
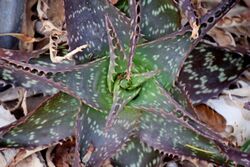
x=173 y=138
x=92 y=90
x=136 y=154
x=85 y=22
x=117 y=55
x=10 y=78
x=135 y=8
x=53 y=121
x=239 y=157
x=83 y=30
x=209 y=69
x=166 y=55
x=105 y=144
x=161 y=54
x=16 y=77
x=121 y=98
x=153 y=98
x=14 y=65
x=214 y=15
x=15 y=55
x=188 y=11
x=158 y=17
x=138 y=79
x=88 y=82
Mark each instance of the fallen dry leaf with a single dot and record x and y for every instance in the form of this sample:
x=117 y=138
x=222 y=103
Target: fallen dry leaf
x=32 y=161
x=222 y=37
x=64 y=154
x=210 y=117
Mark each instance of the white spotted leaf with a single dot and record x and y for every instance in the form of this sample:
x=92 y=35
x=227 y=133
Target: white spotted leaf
x=53 y=121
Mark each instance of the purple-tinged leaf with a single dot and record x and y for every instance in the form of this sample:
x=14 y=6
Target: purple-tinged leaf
x=135 y=8
x=53 y=121
x=168 y=53
x=158 y=17
x=188 y=11
x=77 y=157
x=85 y=22
x=12 y=74
x=137 y=154
x=92 y=90
x=18 y=78
x=213 y=16
x=174 y=138
x=209 y=69
x=153 y=98
x=15 y=55
x=104 y=144
x=88 y=82
x=239 y=157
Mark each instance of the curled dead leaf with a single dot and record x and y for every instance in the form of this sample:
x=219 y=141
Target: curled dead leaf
x=222 y=37
x=42 y=8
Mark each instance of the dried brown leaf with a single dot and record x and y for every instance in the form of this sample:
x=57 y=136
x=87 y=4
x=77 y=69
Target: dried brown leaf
x=55 y=13
x=49 y=156
x=210 y=117
x=6 y=156
x=42 y=9
x=222 y=37
x=23 y=154
x=236 y=21
x=32 y=161
x=64 y=154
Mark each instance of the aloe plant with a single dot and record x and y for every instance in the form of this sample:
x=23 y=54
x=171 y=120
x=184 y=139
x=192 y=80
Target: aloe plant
x=121 y=99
